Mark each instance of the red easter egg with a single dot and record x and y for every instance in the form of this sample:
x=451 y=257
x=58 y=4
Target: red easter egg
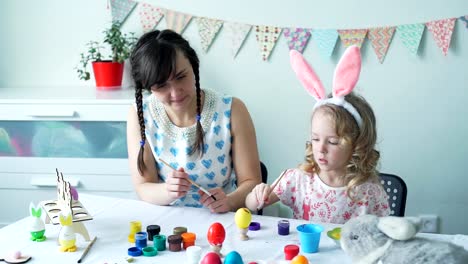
x=216 y=234
x=211 y=258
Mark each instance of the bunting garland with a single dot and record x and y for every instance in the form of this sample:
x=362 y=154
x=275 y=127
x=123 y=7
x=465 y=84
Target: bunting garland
x=150 y=16
x=208 y=28
x=380 y=39
x=296 y=37
x=121 y=9
x=237 y=33
x=442 y=32
x=411 y=36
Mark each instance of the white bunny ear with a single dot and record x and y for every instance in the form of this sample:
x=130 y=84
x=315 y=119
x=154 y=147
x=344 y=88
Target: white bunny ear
x=306 y=75
x=347 y=72
x=397 y=228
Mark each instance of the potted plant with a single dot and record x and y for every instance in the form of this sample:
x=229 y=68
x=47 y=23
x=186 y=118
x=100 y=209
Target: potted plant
x=108 y=70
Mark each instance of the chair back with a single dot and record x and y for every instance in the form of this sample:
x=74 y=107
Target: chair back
x=397 y=191
x=264 y=171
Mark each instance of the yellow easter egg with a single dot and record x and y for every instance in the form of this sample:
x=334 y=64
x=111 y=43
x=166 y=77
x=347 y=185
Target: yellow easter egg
x=299 y=259
x=243 y=217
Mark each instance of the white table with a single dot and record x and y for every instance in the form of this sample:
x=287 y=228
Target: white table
x=111 y=224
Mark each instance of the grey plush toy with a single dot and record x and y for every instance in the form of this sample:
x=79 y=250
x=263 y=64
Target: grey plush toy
x=372 y=239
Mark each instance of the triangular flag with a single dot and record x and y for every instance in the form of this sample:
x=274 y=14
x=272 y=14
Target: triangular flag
x=297 y=38
x=380 y=39
x=208 y=28
x=121 y=9
x=237 y=33
x=465 y=20
x=150 y=16
x=267 y=36
x=411 y=35
x=442 y=32
x=177 y=21
x=352 y=36
x=326 y=40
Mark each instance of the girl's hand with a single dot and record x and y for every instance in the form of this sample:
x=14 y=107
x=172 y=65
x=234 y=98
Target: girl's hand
x=176 y=183
x=261 y=192
x=221 y=205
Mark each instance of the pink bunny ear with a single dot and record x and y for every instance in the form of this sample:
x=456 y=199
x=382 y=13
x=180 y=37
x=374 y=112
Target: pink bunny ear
x=347 y=72
x=306 y=75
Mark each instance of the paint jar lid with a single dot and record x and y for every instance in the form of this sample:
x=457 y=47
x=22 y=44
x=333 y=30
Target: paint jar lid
x=254 y=226
x=179 y=230
x=174 y=239
x=134 y=252
x=188 y=237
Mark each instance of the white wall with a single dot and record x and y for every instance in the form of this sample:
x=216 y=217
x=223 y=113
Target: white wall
x=419 y=101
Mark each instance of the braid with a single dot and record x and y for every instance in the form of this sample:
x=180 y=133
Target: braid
x=199 y=141
x=139 y=102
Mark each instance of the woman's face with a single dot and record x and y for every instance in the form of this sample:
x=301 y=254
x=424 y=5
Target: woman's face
x=178 y=92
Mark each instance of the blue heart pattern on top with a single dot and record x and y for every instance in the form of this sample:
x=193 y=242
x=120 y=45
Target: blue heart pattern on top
x=210 y=175
x=216 y=129
x=221 y=158
x=212 y=185
x=158 y=136
x=227 y=113
x=228 y=126
x=215 y=116
x=196 y=196
x=174 y=151
x=224 y=171
x=227 y=100
x=158 y=150
x=193 y=177
x=188 y=150
x=174 y=165
x=219 y=144
x=207 y=163
x=205 y=148
x=190 y=165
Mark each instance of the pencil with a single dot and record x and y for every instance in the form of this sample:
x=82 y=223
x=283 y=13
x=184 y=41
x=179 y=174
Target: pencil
x=87 y=249
x=190 y=180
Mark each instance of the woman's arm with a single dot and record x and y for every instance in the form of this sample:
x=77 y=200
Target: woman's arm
x=244 y=154
x=147 y=186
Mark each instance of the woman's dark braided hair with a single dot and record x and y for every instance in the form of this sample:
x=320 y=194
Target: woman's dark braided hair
x=153 y=62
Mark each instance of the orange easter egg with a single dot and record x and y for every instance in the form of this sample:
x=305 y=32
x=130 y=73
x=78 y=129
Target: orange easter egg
x=299 y=259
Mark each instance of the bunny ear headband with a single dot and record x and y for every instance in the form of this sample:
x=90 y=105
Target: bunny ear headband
x=345 y=78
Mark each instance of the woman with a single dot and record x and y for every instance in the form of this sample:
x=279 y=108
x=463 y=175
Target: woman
x=207 y=137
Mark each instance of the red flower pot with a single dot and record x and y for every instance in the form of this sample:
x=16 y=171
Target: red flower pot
x=108 y=74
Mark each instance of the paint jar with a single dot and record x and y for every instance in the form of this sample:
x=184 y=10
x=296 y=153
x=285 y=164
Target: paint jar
x=188 y=239
x=152 y=230
x=290 y=251
x=174 y=242
x=135 y=227
x=283 y=227
x=193 y=254
x=179 y=230
x=140 y=240
x=159 y=242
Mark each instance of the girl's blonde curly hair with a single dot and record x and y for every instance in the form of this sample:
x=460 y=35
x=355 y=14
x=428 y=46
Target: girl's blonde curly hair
x=362 y=165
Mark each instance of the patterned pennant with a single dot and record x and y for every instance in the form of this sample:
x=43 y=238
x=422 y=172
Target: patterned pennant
x=411 y=35
x=442 y=32
x=208 y=28
x=465 y=20
x=352 y=36
x=177 y=21
x=267 y=36
x=237 y=33
x=326 y=40
x=150 y=16
x=380 y=39
x=121 y=9
x=297 y=38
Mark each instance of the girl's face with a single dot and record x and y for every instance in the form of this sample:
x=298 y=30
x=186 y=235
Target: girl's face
x=331 y=153
x=178 y=92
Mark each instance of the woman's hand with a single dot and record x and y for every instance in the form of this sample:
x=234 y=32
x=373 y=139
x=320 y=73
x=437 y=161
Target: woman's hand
x=176 y=184
x=221 y=205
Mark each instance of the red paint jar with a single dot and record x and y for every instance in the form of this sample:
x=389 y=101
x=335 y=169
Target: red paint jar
x=290 y=251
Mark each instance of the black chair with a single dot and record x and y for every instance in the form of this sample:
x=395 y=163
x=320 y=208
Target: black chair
x=264 y=171
x=397 y=191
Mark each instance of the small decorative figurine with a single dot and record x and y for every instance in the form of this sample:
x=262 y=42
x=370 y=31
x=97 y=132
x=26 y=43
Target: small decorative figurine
x=216 y=235
x=67 y=237
x=37 y=227
x=243 y=218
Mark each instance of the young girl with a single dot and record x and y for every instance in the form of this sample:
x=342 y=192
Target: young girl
x=338 y=179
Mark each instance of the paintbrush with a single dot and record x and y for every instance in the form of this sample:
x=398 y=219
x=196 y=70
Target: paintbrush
x=190 y=180
x=271 y=189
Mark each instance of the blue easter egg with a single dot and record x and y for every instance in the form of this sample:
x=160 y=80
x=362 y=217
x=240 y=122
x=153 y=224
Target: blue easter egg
x=233 y=258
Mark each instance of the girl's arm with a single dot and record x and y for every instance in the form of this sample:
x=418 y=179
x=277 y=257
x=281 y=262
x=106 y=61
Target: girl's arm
x=148 y=186
x=260 y=197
